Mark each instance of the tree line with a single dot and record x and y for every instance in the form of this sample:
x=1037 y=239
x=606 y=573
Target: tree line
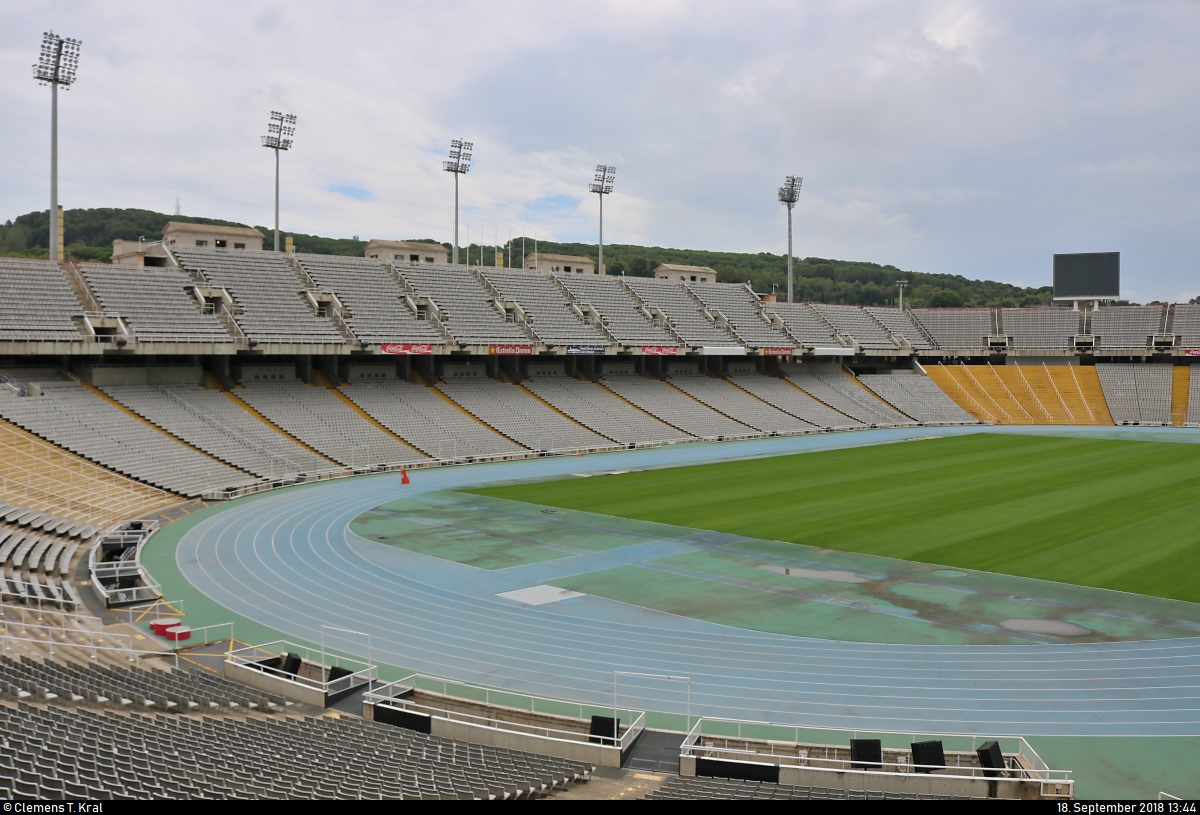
x=88 y=235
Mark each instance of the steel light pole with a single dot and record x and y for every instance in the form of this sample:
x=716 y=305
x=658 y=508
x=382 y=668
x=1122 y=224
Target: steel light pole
x=280 y=130
x=902 y=284
x=602 y=185
x=789 y=193
x=459 y=164
x=56 y=66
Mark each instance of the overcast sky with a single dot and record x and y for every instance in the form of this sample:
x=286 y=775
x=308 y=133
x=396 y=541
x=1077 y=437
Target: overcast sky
x=974 y=138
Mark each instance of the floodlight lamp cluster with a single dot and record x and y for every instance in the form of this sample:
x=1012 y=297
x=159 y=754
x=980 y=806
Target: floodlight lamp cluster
x=58 y=61
x=789 y=193
x=280 y=130
x=604 y=179
x=460 y=156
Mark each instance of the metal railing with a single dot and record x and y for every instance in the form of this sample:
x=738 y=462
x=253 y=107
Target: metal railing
x=360 y=672
x=385 y=695
x=781 y=745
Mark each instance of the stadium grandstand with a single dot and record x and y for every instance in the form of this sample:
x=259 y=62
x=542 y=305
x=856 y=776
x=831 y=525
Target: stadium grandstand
x=140 y=405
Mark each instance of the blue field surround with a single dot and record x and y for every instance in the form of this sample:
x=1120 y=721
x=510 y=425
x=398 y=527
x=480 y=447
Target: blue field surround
x=289 y=562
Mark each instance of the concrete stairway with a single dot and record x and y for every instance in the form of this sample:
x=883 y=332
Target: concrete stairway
x=1181 y=381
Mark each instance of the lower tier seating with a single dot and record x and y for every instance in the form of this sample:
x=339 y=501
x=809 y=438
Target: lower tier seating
x=116 y=734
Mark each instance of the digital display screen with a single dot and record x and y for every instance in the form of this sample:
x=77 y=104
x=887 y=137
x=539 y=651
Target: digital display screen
x=1087 y=276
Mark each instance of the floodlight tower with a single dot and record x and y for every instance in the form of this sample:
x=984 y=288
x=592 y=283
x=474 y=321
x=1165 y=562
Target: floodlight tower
x=789 y=193
x=901 y=284
x=602 y=186
x=280 y=130
x=459 y=164
x=59 y=59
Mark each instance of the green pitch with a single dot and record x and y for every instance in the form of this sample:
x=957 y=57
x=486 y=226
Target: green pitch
x=1120 y=515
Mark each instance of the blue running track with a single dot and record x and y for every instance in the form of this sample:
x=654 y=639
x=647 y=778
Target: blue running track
x=289 y=562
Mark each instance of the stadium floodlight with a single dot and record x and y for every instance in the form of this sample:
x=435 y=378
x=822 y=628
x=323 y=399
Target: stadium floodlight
x=280 y=129
x=789 y=193
x=459 y=163
x=56 y=66
x=602 y=185
x=901 y=284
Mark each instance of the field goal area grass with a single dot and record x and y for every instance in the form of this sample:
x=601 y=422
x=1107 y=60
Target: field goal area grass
x=1095 y=512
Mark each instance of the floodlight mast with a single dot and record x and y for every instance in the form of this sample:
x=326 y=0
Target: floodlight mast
x=789 y=193
x=459 y=163
x=280 y=129
x=901 y=284
x=56 y=66
x=602 y=185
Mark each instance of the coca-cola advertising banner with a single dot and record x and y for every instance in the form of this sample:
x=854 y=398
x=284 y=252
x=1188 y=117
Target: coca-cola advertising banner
x=509 y=350
x=406 y=348
x=1192 y=352
x=660 y=350
x=778 y=352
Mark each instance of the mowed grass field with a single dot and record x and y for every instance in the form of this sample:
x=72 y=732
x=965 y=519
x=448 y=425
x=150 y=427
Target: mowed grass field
x=1120 y=515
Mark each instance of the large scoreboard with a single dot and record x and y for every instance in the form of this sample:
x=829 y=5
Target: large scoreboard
x=1087 y=276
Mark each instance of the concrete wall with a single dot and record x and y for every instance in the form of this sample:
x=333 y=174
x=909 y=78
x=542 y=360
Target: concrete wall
x=275 y=685
x=267 y=372
x=927 y=783
x=101 y=375
x=598 y=754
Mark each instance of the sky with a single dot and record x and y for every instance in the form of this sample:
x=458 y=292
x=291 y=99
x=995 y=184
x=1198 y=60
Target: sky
x=972 y=138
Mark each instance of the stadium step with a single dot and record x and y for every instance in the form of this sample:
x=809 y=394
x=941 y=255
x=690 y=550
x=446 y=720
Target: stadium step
x=234 y=398
x=1181 y=380
x=945 y=378
x=143 y=420
x=1081 y=388
x=1091 y=391
x=324 y=382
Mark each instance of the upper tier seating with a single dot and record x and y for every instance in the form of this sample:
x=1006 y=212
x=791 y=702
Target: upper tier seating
x=788 y=398
x=733 y=401
x=741 y=307
x=208 y=419
x=963 y=329
x=36 y=302
x=1126 y=327
x=1137 y=394
x=522 y=418
x=804 y=325
x=83 y=754
x=428 y=421
x=918 y=397
x=1186 y=324
x=468 y=312
x=607 y=414
x=74 y=418
x=844 y=395
x=623 y=316
x=325 y=423
x=153 y=302
x=677 y=409
x=902 y=324
x=266 y=289
x=375 y=300
x=548 y=311
x=685 y=315
x=857 y=323
x=1049 y=328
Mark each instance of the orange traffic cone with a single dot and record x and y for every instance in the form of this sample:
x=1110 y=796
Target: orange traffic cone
x=404 y=476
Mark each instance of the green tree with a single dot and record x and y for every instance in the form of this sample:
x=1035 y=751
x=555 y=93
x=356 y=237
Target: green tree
x=946 y=299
